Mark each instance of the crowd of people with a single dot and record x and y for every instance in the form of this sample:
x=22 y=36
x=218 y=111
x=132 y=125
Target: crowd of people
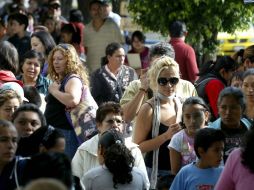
x=74 y=114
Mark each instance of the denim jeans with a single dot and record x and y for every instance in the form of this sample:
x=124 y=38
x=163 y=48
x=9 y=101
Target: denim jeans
x=71 y=142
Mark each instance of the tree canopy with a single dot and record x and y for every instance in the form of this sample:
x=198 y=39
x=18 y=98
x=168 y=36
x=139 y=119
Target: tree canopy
x=204 y=18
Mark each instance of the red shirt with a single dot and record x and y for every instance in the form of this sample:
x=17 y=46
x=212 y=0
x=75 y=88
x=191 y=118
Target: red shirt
x=212 y=90
x=186 y=58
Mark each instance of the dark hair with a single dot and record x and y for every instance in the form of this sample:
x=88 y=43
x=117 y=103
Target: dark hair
x=204 y=138
x=9 y=57
x=110 y=50
x=161 y=49
x=50 y=137
x=234 y=92
x=95 y=2
x=224 y=62
x=46 y=39
x=247 y=150
x=75 y=31
x=49 y=165
x=177 y=29
x=238 y=57
x=33 y=95
x=106 y=108
x=248 y=73
x=29 y=55
x=46 y=136
x=195 y=100
x=76 y=16
x=20 y=18
x=117 y=156
x=238 y=75
x=139 y=35
x=31 y=108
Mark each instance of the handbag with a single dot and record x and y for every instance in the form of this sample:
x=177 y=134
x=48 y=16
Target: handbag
x=82 y=116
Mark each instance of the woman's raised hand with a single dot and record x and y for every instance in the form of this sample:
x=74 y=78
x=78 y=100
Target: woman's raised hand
x=173 y=129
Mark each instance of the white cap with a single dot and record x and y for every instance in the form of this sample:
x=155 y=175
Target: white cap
x=16 y=87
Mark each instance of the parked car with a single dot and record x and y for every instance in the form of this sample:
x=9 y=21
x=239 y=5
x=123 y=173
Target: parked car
x=230 y=43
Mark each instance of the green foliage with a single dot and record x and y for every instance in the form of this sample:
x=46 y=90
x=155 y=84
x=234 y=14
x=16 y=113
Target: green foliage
x=204 y=18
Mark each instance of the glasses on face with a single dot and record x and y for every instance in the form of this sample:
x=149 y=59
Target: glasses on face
x=163 y=81
x=112 y=121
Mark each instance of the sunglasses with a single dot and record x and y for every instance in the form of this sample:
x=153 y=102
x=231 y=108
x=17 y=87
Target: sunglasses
x=163 y=81
x=112 y=121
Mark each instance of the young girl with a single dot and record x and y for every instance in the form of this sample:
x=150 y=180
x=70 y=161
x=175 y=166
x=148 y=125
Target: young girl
x=195 y=116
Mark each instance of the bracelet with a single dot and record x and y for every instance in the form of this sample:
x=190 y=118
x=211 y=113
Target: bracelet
x=142 y=89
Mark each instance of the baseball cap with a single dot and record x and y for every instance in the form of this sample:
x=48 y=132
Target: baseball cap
x=15 y=87
x=7 y=76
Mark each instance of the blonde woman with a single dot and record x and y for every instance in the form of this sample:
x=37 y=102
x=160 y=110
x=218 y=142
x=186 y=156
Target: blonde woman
x=69 y=79
x=157 y=119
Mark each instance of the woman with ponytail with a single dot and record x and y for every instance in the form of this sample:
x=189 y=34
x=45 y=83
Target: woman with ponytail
x=213 y=78
x=117 y=171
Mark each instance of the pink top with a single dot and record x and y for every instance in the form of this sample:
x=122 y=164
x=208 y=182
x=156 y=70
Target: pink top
x=235 y=175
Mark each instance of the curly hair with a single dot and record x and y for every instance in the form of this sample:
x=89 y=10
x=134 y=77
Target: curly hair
x=6 y=95
x=247 y=150
x=117 y=157
x=158 y=66
x=74 y=65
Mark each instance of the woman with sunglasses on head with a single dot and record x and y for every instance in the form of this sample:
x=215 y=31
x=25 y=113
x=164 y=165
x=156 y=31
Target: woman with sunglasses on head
x=157 y=119
x=70 y=80
x=213 y=78
x=195 y=116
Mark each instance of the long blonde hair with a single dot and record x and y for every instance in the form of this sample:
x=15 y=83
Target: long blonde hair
x=74 y=65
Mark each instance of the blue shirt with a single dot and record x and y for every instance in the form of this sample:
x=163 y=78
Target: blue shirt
x=190 y=177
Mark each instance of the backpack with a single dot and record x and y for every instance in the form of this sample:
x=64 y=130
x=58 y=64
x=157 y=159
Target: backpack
x=200 y=88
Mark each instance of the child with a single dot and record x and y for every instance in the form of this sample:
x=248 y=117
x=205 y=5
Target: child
x=195 y=116
x=237 y=79
x=203 y=174
x=21 y=39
